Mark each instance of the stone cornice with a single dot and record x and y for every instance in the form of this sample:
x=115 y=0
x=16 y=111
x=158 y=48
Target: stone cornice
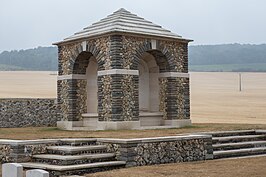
x=118 y=71
x=174 y=74
x=72 y=76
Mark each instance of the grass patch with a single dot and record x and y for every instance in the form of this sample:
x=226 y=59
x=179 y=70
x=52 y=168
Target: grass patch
x=48 y=129
x=248 y=167
x=4 y=67
x=252 y=67
x=192 y=127
x=54 y=132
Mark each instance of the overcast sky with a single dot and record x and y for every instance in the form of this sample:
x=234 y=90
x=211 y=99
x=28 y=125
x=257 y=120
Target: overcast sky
x=30 y=23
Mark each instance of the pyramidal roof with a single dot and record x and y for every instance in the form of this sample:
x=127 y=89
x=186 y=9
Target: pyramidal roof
x=123 y=21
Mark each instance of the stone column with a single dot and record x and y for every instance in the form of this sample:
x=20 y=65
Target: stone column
x=72 y=100
x=118 y=98
x=174 y=98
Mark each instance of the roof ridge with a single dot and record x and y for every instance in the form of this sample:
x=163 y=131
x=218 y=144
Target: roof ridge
x=126 y=22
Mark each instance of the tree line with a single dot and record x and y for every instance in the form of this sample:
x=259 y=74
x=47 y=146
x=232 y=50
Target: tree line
x=203 y=57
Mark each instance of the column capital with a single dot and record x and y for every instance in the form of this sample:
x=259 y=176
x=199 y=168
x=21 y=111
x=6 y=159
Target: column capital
x=174 y=74
x=118 y=71
x=72 y=76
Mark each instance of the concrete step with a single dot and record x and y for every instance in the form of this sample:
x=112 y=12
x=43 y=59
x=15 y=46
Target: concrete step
x=74 y=150
x=54 y=159
x=239 y=152
x=78 y=141
x=247 y=144
x=234 y=139
x=57 y=170
x=233 y=133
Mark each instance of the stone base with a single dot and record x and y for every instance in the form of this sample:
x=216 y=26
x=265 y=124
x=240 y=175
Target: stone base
x=150 y=119
x=178 y=123
x=147 y=120
x=121 y=125
x=93 y=124
x=69 y=125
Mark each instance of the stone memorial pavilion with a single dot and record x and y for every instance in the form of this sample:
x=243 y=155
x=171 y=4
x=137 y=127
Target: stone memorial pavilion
x=123 y=72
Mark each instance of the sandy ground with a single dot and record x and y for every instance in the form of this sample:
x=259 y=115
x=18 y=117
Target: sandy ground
x=249 y=167
x=25 y=84
x=215 y=97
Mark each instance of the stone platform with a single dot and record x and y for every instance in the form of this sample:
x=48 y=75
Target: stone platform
x=87 y=155
x=147 y=120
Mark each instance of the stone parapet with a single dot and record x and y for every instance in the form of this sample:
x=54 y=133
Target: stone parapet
x=160 y=150
x=136 y=152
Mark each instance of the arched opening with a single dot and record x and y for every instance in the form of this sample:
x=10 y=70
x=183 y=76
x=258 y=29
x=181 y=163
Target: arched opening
x=92 y=86
x=151 y=64
x=86 y=87
x=148 y=84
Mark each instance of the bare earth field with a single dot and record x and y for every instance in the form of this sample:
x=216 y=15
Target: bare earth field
x=249 y=167
x=215 y=97
x=27 y=84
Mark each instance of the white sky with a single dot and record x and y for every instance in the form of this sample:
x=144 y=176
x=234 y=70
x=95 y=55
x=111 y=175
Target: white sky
x=31 y=23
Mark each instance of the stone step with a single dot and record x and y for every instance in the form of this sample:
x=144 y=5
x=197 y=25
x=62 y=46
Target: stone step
x=260 y=132
x=54 y=159
x=233 y=139
x=57 y=170
x=78 y=141
x=239 y=152
x=233 y=133
x=74 y=150
x=247 y=144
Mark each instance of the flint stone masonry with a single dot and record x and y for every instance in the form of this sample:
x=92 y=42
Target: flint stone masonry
x=25 y=112
x=136 y=152
x=149 y=151
x=23 y=150
x=120 y=47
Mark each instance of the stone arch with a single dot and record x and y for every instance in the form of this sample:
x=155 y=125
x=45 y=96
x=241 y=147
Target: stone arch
x=166 y=62
x=81 y=55
x=161 y=54
x=84 y=58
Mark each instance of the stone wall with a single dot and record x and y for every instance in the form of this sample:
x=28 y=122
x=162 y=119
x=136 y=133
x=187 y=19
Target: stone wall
x=23 y=150
x=118 y=98
x=136 y=152
x=24 y=112
x=149 y=151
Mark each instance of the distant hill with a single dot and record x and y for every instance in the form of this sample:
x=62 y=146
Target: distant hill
x=225 y=57
x=228 y=57
x=37 y=59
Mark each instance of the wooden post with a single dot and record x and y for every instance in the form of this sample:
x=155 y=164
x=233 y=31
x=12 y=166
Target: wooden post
x=240 y=82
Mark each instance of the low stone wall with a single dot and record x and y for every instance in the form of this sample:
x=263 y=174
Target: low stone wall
x=24 y=112
x=136 y=152
x=22 y=150
x=149 y=151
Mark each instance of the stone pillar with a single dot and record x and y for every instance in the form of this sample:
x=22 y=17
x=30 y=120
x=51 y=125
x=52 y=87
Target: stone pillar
x=118 y=97
x=12 y=170
x=174 y=98
x=72 y=96
x=37 y=173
